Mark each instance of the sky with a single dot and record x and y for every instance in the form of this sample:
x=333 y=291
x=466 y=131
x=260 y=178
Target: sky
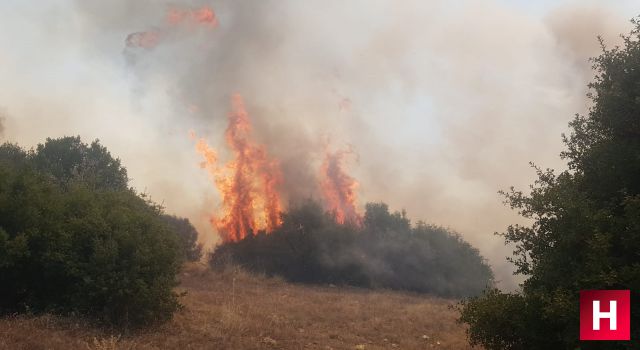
x=447 y=101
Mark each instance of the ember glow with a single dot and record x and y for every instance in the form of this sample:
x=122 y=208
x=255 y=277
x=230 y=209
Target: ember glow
x=248 y=183
x=339 y=188
x=204 y=16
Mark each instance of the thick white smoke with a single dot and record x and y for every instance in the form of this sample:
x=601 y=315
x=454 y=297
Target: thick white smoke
x=444 y=103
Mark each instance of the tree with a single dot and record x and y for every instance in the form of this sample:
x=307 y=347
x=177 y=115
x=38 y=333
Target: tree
x=378 y=218
x=182 y=227
x=68 y=160
x=82 y=244
x=586 y=222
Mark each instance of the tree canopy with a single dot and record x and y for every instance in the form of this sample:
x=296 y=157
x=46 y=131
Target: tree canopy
x=69 y=160
x=586 y=222
x=75 y=239
x=191 y=249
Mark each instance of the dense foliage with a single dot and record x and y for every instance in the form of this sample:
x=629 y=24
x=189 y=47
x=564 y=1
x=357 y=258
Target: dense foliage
x=387 y=252
x=67 y=161
x=191 y=249
x=75 y=239
x=586 y=223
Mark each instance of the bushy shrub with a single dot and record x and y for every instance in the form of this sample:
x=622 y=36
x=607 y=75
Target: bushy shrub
x=78 y=241
x=68 y=160
x=387 y=252
x=182 y=227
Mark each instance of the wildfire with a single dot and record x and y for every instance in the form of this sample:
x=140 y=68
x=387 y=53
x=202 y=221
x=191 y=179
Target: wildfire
x=339 y=188
x=248 y=183
x=203 y=16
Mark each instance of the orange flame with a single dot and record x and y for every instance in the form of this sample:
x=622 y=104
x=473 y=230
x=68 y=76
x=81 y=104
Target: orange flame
x=248 y=183
x=203 y=15
x=339 y=189
x=150 y=39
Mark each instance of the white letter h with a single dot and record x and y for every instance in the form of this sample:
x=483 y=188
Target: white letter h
x=598 y=315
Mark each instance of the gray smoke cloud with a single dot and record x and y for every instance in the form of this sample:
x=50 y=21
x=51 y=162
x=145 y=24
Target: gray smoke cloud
x=444 y=104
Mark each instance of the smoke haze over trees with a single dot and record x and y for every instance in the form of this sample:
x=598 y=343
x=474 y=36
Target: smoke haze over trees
x=386 y=252
x=585 y=233
x=75 y=239
x=192 y=250
x=387 y=79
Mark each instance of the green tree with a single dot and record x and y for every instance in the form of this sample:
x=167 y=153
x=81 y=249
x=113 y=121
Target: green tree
x=377 y=218
x=586 y=222
x=182 y=227
x=79 y=247
x=68 y=160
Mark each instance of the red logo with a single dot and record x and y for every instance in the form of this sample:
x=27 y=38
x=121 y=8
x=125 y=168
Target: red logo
x=605 y=315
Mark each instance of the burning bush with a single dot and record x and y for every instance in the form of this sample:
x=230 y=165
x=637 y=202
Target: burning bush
x=75 y=239
x=385 y=251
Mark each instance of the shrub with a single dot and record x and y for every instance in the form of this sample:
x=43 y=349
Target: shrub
x=75 y=247
x=67 y=160
x=182 y=227
x=387 y=252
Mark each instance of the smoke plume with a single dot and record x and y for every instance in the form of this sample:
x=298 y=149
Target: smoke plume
x=444 y=104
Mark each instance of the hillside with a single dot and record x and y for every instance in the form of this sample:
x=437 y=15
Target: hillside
x=236 y=310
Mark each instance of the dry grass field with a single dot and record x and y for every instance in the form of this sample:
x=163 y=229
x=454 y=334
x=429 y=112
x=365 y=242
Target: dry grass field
x=236 y=310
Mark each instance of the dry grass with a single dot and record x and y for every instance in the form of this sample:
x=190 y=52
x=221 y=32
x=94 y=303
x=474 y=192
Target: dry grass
x=235 y=310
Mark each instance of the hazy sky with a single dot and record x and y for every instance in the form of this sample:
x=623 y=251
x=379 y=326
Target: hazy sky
x=449 y=101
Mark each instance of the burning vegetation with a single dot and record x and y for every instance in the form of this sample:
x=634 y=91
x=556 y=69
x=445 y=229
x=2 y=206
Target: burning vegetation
x=183 y=17
x=250 y=182
x=327 y=241
x=202 y=16
x=386 y=251
x=339 y=189
x=322 y=240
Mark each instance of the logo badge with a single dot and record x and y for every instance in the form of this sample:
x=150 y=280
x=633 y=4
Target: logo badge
x=605 y=315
